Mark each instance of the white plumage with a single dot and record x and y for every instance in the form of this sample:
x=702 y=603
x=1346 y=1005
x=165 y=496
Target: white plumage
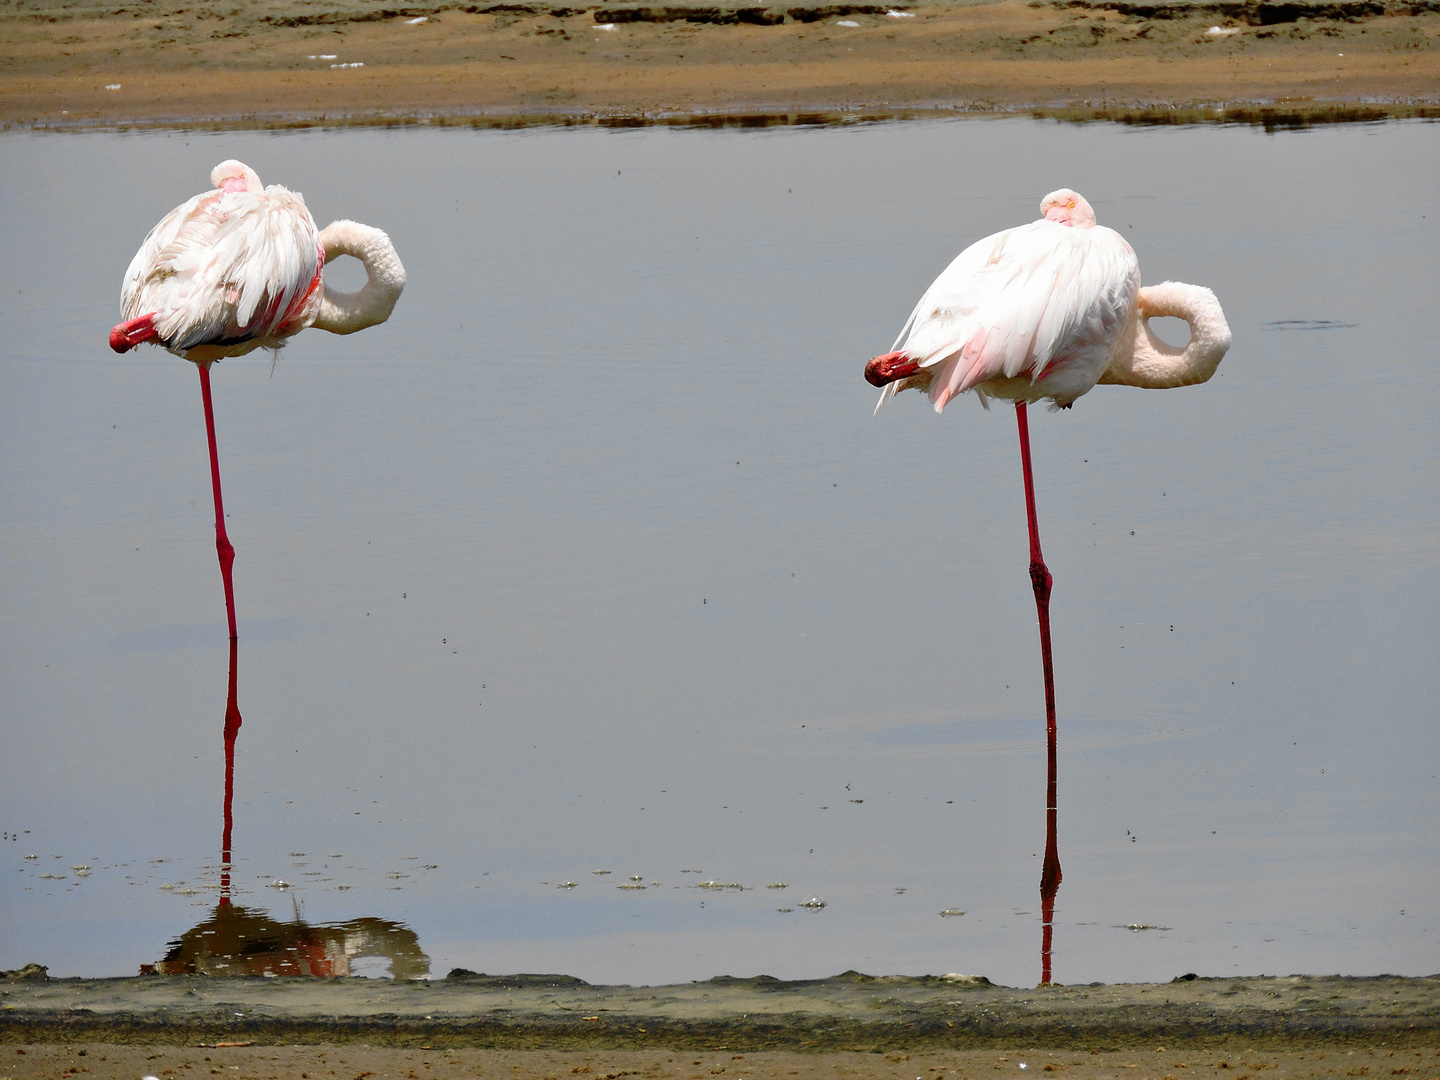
x=229 y=271
x=1028 y=313
x=1047 y=310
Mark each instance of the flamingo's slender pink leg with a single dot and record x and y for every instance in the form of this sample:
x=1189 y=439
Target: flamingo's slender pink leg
x=1041 y=580
x=222 y=541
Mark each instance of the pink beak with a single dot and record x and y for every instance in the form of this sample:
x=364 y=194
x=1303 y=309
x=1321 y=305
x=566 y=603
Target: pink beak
x=1058 y=214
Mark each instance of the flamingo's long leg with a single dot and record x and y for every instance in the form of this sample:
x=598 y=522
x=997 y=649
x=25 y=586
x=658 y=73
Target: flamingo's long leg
x=222 y=541
x=1041 y=580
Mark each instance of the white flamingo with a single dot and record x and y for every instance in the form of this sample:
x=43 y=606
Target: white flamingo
x=1048 y=310
x=237 y=269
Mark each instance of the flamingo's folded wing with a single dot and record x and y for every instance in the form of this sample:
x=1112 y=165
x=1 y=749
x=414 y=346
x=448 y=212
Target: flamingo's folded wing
x=226 y=268
x=1010 y=304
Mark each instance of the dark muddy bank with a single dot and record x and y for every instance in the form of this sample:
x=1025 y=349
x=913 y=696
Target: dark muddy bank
x=847 y=1012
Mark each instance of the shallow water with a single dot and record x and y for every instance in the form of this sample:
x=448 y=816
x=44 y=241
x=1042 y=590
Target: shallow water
x=594 y=559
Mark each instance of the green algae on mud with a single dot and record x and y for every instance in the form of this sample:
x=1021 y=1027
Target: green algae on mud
x=847 y=1012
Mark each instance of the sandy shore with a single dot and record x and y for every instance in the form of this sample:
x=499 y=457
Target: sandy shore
x=1233 y=1062
x=168 y=62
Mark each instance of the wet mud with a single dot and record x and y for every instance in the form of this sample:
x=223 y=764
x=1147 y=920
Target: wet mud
x=847 y=1013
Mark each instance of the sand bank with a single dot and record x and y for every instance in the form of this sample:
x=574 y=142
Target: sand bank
x=283 y=62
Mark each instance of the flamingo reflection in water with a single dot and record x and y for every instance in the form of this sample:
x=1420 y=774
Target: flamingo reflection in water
x=236 y=940
x=1046 y=311
x=244 y=941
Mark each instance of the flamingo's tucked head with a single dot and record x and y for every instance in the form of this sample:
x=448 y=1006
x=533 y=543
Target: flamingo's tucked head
x=235 y=175
x=1067 y=207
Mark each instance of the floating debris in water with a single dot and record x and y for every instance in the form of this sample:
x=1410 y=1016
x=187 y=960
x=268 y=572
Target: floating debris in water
x=37 y=856
x=61 y=877
x=567 y=885
x=950 y=913
x=637 y=877
x=814 y=903
x=278 y=883
x=1309 y=324
x=777 y=885
x=784 y=910
x=1138 y=926
x=600 y=871
x=297 y=854
x=630 y=885
x=720 y=885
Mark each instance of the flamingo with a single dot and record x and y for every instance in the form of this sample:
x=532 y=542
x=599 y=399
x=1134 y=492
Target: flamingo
x=1048 y=310
x=237 y=269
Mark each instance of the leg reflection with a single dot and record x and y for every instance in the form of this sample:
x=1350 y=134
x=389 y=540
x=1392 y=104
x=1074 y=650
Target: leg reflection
x=232 y=728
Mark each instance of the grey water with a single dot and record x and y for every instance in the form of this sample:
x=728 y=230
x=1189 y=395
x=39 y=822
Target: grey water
x=592 y=566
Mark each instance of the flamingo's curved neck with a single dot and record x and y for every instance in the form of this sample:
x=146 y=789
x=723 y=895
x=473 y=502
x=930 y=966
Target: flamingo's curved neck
x=1142 y=359
x=344 y=313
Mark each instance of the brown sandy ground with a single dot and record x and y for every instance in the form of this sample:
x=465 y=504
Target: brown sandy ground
x=1226 y=1061
x=223 y=62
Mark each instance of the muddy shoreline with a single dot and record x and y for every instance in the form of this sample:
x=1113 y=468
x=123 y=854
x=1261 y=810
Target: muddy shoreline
x=850 y=1013
x=83 y=64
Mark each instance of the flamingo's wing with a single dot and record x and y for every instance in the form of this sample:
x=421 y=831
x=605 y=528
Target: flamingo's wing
x=1017 y=302
x=224 y=268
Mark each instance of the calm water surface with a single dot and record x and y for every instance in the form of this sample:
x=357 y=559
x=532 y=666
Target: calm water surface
x=594 y=559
